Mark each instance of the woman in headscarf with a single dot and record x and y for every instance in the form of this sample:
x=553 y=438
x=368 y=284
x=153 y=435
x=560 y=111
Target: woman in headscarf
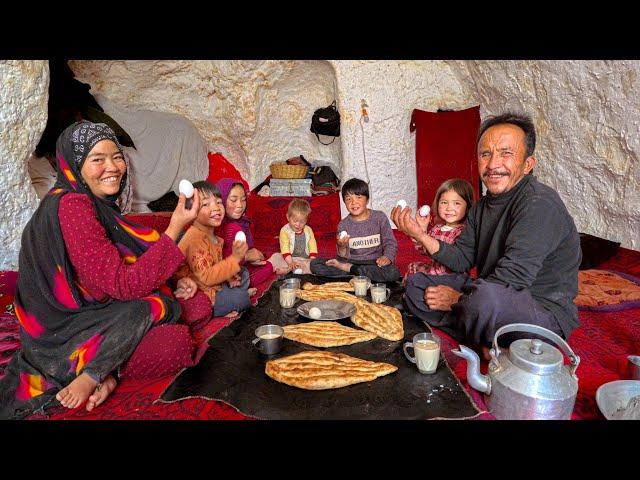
x=91 y=283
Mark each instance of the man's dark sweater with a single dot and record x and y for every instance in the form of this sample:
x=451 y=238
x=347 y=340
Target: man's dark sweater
x=525 y=238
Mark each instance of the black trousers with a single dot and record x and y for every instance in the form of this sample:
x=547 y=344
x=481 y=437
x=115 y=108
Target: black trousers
x=482 y=309
x=388 y=273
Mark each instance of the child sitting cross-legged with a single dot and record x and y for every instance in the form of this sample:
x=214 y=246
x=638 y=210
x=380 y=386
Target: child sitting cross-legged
x=220 y=278
x=369 y=247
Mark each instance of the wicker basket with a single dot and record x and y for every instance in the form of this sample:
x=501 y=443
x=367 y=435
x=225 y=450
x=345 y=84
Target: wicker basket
x=282 y=170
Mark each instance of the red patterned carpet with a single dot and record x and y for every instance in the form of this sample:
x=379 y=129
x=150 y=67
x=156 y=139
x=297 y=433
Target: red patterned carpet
x=602 y=341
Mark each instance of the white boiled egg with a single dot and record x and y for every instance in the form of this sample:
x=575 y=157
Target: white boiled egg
x=424 y=211
x=186 y=187
x=402 y=204
x=343 y=234
x=315 y=312
x=298 y=271
x=240 y=237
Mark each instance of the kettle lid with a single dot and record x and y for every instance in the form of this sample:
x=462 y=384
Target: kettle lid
x=536 y=356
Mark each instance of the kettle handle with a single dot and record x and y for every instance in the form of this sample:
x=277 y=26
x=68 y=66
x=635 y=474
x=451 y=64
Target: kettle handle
x=543 y=332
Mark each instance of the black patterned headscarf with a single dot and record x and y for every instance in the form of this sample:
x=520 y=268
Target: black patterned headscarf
x=64 y=331
x=72 y=148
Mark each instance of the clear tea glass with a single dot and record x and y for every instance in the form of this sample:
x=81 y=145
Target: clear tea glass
x=379 y=292
x=360 y=285
x=288 y=291
x=426 y=348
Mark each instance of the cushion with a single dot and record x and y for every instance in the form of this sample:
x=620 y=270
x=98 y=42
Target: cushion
x=8 y=280
x=220 y=167
x=596 y=250
x=598 y=288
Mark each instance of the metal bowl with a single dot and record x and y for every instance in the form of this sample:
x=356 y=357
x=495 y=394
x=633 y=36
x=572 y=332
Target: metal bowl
x=330 y=309
x=614 y=396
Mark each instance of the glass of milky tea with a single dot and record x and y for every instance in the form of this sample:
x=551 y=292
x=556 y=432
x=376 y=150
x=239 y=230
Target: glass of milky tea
x=426 y=348
x=288 y=291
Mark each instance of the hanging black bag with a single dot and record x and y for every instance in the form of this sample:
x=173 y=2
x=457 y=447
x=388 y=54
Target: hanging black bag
x=326 y=121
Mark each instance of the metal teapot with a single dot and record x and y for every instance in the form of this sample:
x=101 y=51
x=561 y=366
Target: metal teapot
x=531 y=381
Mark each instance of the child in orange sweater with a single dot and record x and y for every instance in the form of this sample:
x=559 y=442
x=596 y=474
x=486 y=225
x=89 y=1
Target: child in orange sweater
x=221 y=279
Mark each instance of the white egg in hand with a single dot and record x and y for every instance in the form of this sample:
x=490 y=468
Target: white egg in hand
x=240 y=237
x=315 y=312
x=186 y=187
x=425 y=210
x=298 y=271
x=343 y=234
x=402 y=204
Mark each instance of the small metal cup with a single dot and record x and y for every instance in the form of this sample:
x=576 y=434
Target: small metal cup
x=269 y=339
x=633 y=372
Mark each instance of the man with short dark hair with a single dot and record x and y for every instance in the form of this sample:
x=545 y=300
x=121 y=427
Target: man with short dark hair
x=520 y=237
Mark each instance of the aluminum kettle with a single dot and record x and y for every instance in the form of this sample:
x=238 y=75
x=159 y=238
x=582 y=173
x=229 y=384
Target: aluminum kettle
x=531 y=381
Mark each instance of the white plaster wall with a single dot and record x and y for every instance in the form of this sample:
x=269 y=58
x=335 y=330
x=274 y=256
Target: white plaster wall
x=587 y=116
x=253 y=112
x=23 y=115
x=257 y=112
x=392 y=89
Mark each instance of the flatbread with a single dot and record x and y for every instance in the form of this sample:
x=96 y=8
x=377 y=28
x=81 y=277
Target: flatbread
x=326 y=334
x=341 y=286
x=329 y=294
x=383 y=320
x=321 y=370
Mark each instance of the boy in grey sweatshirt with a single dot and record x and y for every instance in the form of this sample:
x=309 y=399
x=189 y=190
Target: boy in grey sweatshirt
x=369 y=247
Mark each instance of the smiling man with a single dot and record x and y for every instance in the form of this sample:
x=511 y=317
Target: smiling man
x=520 y=237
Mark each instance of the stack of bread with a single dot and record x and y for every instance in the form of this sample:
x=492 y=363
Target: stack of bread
x=383 y=320
x=320 y=370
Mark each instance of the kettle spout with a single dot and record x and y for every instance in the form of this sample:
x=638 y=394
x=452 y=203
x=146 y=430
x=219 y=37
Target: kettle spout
x=478 y=381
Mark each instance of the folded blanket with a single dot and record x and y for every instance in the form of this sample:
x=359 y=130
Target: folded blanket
x=601 y=288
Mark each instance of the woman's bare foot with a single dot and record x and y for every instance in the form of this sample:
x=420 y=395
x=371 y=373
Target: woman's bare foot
x=102 y=391
x=77 y=392
x=345 y=267
x=252 y=291
x=232 y=314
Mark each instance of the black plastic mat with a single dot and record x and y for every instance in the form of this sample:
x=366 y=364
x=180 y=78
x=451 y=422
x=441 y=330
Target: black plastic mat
x=232 y=371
